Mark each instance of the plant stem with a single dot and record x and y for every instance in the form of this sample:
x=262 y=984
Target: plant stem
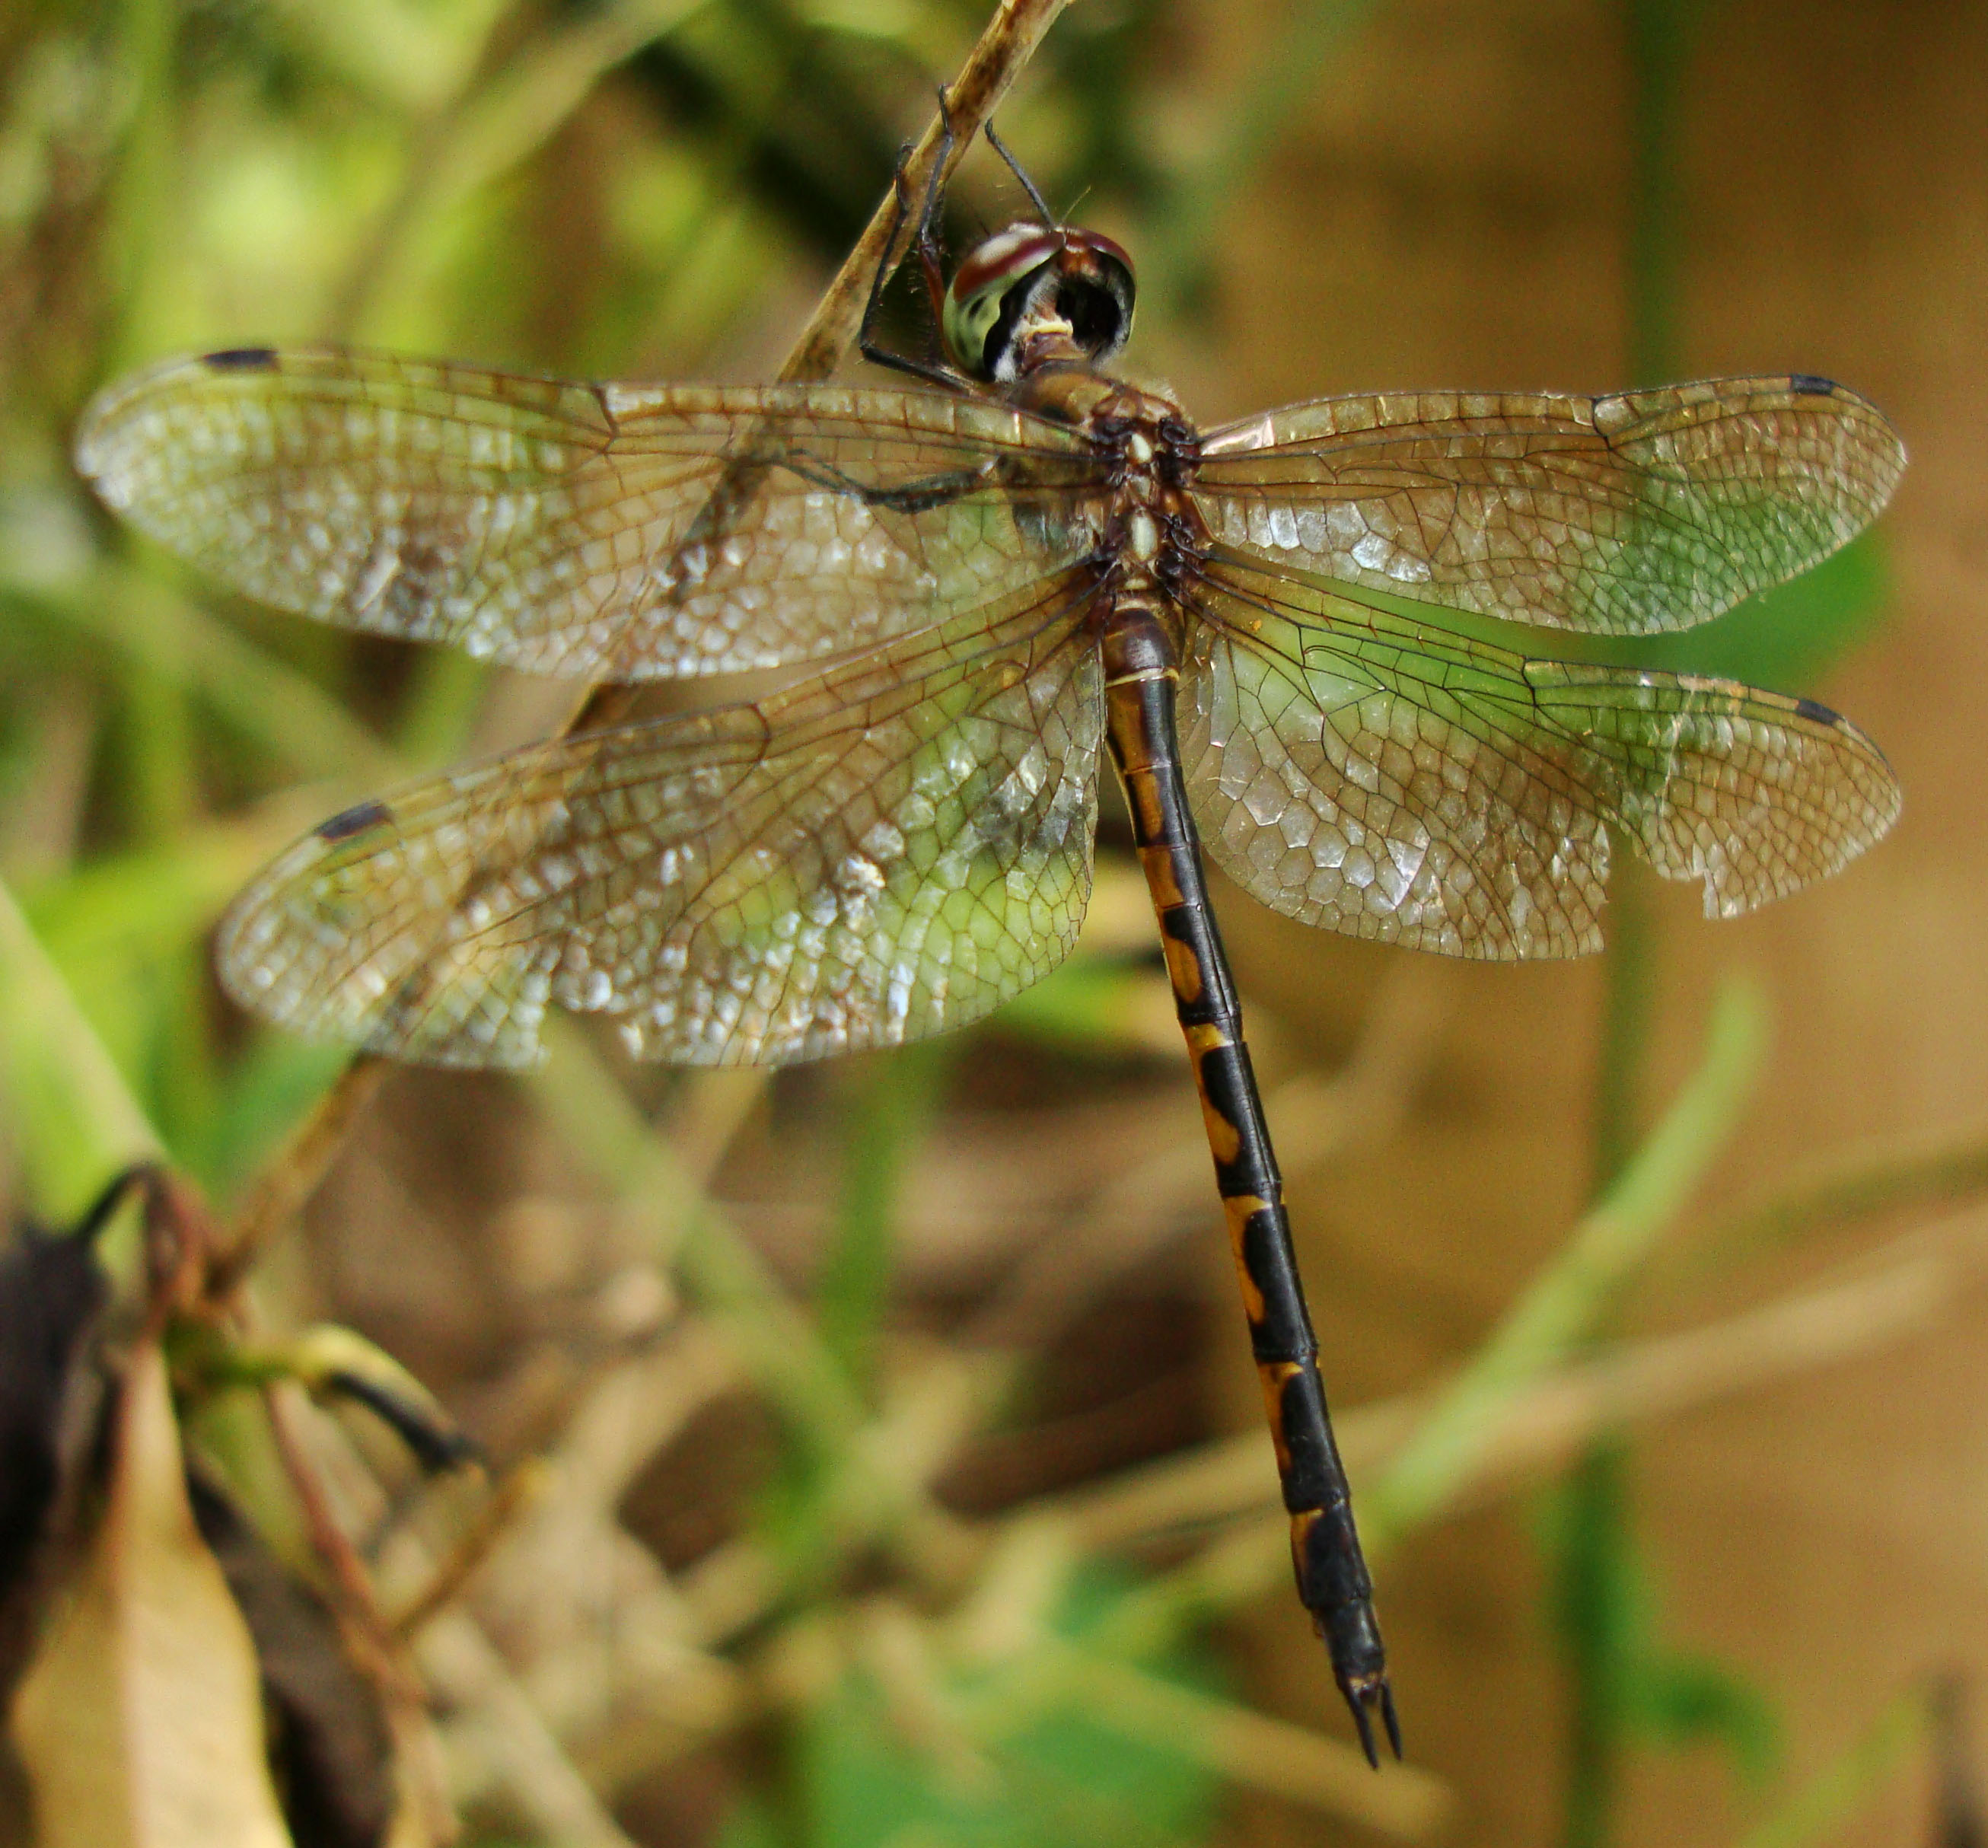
x=1597 y=1550
x=1820 y=1808
x=885 y=1118
x=75 y=1120
x=1557 y=1316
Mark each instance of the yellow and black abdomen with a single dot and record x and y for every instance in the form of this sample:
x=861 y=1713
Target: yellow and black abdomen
x=1141 y=676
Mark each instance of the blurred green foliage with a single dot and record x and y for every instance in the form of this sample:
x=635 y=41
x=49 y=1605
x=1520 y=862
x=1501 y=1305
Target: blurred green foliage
x=1055 y=1771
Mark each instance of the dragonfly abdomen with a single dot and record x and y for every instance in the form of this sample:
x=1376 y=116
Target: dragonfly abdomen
x=1140 y=672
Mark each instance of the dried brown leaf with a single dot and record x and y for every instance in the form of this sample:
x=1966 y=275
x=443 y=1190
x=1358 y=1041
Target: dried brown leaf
x=140 y=1722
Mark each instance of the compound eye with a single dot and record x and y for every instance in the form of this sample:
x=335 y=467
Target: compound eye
x=977 y=312
x=1096 y=293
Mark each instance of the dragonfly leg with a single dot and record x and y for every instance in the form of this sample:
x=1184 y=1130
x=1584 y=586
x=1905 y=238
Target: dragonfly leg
x=930 y=257
x=907 y=497
x=1332 y=1577
x=1028 y=185
x=925 y=244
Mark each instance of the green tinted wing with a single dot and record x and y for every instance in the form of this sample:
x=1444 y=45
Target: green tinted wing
x=1622 y=515
x=615 y=531
x=1390 y=780
x=890 y=849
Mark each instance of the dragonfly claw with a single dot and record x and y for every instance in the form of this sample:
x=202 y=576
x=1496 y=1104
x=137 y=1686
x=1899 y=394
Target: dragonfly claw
x=1365 y=1697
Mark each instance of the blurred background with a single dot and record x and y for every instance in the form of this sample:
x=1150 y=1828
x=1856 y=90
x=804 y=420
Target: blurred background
x=903 y=1479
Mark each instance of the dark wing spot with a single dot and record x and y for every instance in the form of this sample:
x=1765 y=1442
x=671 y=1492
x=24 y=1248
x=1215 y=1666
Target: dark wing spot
x=242 y=359
x=355 y=820
x=1809 y=382
x=1814 y=711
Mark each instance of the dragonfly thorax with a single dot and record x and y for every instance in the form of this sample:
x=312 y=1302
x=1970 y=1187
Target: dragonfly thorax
x=1033 y=286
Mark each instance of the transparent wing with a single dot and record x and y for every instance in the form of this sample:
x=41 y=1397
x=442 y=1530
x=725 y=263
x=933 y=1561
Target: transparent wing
x=1621 y=515
x=885 y=852
x=572 y=528
x=1389 y=779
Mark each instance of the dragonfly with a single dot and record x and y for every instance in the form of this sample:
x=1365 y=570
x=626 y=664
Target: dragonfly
x=1019 y=560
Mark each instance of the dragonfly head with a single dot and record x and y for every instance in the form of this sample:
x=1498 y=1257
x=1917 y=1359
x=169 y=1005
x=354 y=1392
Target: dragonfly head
x=1028 y=280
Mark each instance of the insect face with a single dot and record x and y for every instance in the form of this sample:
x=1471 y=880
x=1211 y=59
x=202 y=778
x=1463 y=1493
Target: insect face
x=1029 y=276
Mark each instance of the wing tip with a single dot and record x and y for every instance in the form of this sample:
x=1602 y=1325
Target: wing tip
x=1871 y=800
x=95 y=448
x=1885 y=448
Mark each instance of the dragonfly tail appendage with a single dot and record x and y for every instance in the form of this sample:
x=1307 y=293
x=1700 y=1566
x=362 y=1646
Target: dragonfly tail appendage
x=1332 y=1577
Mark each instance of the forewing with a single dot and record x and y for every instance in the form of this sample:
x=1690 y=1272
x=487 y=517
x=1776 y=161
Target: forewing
x=1623 y=515
x=615 y=531
x=888 y=850
x=1392 y=780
